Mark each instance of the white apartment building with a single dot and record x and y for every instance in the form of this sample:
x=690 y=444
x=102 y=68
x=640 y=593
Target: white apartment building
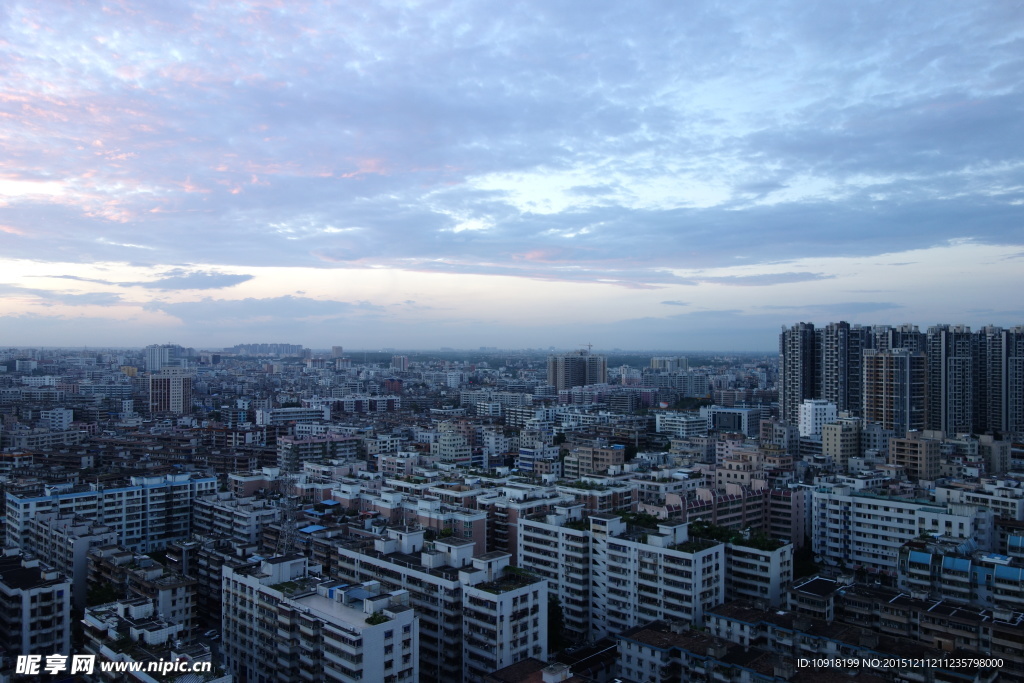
x=745 y=421
x=504 y=616
x=63 y=542
x=510 y=504
x=148 y=513
x=1004 y=496
x=57 y=419
x=653 y=487
x=638 y=577
x=150 y=639
x=281 y=416
x=35 y=608
x=402 y=561
x=475 y=615
x=383 y=443
x=863 y=529
x=815 y=414
x=760 y=574
x=241 y=519
x=609 y=578
x=561 y=554
x=680 y=424
x=452 y=447
x=281 y=622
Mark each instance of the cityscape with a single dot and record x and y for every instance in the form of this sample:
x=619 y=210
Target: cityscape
x=421 y=341
x=271 y=512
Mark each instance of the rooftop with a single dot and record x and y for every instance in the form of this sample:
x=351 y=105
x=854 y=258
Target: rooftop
x=18 y=577
x=818 y=586
x=511 y=580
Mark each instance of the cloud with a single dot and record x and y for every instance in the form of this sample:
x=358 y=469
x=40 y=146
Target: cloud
x=765 y=279
x=591 y=190
x=89 y=299
x=271 y=312
x=675 y=303
x=672 y=141
x=195 y=280
x=50 y=297
x=78 y=278
x=837 y=309
x=177 y=279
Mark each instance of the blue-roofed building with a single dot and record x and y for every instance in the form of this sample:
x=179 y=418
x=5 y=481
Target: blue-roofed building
x=1015 y=545
x=864 y=530
x=959 y=572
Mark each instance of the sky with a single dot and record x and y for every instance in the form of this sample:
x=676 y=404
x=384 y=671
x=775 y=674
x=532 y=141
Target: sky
x=669 y=175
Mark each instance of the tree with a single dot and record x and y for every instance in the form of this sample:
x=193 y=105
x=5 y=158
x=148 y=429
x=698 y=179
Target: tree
x=101 y=594
x=556 y=625
x=803 y=561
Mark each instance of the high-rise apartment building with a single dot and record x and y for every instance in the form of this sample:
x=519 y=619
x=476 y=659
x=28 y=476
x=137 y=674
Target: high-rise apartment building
x=63 y=541
x=170 y=391
x=951 y=379
x=452 y=447
x=973 y=381
x=799 y=370
x=822 y=363
x=576 y=369
x=895 y=389
x=999 y=406
x=670 y=363
x=840 y=347
x=160 y=356
x=906 y=336
x=57 y=419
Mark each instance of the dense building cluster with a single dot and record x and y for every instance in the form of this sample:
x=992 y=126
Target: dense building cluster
x=290 y=514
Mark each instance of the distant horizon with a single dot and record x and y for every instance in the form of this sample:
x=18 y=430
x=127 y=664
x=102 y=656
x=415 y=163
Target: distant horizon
x=398 y=351
x=537 y=348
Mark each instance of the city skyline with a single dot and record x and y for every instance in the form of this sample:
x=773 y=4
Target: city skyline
x=436 y=175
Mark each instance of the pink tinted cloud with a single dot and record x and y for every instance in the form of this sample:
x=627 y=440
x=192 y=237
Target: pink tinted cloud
x=367 y=166
x=541 y=256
